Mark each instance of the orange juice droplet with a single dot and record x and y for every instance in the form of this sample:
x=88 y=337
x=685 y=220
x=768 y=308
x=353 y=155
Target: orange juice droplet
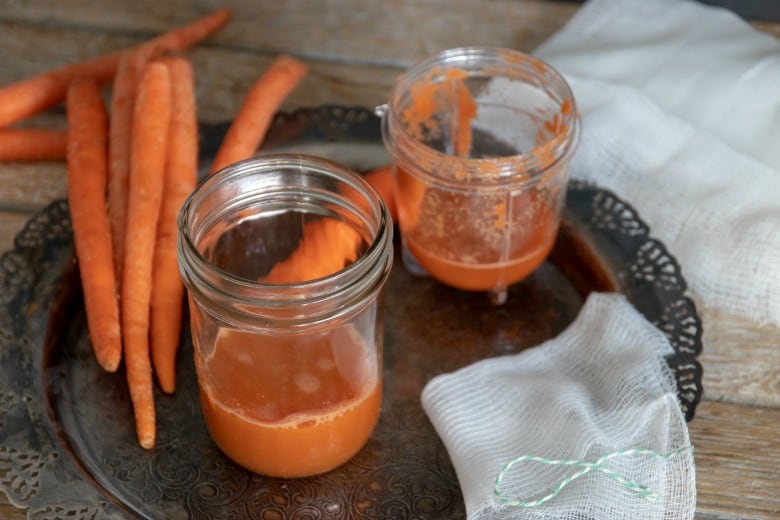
x=290 y=406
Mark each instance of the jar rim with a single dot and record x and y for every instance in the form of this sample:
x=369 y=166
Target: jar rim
x=519 y=169
x=202 y=275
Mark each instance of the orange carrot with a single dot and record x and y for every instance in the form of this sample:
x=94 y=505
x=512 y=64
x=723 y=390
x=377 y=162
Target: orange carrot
x=382 y=179
x=87 y=136
x=43 y=91
x=32 y=144
x=264 y=97
x=186 y=36
x=147 y=167
x=119 y=136
x=329 y=245
x=37 y=93
x=181 y=173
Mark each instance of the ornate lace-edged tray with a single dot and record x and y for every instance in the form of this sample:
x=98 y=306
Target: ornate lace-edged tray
x=67 y=440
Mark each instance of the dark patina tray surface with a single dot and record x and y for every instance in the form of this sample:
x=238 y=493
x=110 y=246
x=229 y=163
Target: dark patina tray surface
x=67 y=441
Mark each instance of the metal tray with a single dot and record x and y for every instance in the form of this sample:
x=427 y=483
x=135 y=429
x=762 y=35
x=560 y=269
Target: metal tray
x=67 y=439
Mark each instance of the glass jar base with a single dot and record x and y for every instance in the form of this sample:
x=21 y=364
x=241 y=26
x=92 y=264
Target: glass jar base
x=410 y=262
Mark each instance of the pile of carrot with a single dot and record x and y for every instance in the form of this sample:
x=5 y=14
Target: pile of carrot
x=145 y=166
x=129 y=171
x=130 y=166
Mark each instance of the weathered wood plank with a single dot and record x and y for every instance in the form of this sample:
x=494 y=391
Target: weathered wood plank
x=769 y=28
x=10 y=512
x=736 y=461
x=389 y=33
x=222 y=76
x=30 y=186
x=386 y=33
x=741 y=360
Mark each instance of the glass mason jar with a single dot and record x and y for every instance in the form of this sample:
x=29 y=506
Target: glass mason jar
x=285 y=258
x=480 y=140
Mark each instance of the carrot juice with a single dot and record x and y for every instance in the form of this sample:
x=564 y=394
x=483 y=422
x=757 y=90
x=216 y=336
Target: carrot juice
x=481 y=277
x=285 y=258
x=290 y=406
x=474 y=242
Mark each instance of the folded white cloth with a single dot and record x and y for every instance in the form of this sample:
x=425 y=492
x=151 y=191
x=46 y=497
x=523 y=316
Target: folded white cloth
x=600 y=387
x=680 y=106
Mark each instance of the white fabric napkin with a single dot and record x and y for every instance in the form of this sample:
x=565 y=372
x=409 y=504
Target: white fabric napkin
x=599 y=388
x=681 y=118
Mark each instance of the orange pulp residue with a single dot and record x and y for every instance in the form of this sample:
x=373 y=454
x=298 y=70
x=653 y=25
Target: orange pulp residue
x=427 y=99
x=431 y=98
x=545 y=142
x=481 y=245
x=290 y=406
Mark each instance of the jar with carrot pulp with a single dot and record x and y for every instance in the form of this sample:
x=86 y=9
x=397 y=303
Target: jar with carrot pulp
x=285 y=258
x=481 y=140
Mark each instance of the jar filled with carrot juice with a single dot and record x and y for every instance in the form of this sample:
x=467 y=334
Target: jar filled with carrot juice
x=480 y=140
x=285 y=258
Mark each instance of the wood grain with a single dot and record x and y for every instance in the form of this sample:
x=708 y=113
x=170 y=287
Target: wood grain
x=9 y=512
x=736 y=450
x=30 y=186
x=728 y=343
x=391 y=33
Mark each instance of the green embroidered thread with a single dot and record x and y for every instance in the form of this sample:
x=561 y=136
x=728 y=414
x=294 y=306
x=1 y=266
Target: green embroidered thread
x=586 y=467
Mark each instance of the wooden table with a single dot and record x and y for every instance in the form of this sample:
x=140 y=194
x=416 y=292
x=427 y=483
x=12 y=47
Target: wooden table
x=355 y=50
